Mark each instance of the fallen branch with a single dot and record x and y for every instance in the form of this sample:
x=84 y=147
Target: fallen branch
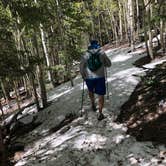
x=14 y=118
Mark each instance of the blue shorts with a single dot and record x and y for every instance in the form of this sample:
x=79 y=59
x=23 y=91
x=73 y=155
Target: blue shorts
x=96 y=85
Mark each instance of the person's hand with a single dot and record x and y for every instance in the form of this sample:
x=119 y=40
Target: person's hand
x=83 y=77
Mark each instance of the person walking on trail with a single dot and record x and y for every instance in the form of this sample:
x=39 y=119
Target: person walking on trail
x=92 y=69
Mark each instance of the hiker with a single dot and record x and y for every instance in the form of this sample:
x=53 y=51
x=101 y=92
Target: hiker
x=92 y=69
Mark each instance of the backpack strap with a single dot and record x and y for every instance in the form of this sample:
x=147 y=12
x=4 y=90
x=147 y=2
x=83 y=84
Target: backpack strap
x=94 y=53
x=94 y=61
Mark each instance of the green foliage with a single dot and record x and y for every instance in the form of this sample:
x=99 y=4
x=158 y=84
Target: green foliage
x=34 y=60
x=5 y=18
x=64 y=23
x=28 y=11
x=59 y=72
x=31 y=63
x=9 y=62
x=150 y=81
x=58 y=69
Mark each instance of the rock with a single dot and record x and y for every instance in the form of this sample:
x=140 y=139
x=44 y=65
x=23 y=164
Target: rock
x=64 y=130
x=18 y=156
x=27 y=119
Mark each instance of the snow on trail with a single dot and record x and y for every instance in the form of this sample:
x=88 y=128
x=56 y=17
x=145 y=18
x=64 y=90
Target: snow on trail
x=85 y=141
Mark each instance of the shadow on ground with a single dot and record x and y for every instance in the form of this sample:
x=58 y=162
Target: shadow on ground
x=145 y=111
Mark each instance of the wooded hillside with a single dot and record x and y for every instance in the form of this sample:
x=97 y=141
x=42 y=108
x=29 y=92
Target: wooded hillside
x=41 y=41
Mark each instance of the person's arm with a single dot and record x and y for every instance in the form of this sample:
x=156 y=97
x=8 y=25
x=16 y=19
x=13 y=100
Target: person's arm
x=106 y=60
x=82 y=67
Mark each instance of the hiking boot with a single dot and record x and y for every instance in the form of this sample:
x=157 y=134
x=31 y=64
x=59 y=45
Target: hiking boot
x=94 y=108
x=100 y=116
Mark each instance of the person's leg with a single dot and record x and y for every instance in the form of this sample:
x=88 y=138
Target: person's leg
x=91 y=84
x=92 y=98
x=101 y=91
x=101 y=103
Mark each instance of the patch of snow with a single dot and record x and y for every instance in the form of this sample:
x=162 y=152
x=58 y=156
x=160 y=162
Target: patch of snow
x=153 y=64
x=121 y=58
x=93 y=141
x=57 y=95
x=30 y=110
x=117 y=139
x=86 y=141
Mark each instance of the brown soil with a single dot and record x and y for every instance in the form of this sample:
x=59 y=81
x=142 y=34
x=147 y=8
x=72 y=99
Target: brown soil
x=145 y=111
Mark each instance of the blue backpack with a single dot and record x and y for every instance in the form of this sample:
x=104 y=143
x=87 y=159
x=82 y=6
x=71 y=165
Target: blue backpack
x=94 y=62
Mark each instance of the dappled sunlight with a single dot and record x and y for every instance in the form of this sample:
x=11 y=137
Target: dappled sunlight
x=148 y=117
x=127 y=72
x=57 y=95
x=44 y=132
x=52 y=119
x=21 y=163
x=119 y=138
x=132 y=80
x=65 y=137
x=153 y=64
x=51 y=144
x=139 y=51
x=121 y=58
x=85 y=138
x=110 y=50
x=133 y=160
x=118 y=126
x=89 y=142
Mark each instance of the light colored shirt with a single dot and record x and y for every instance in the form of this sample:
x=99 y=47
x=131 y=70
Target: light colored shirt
x=86 y=72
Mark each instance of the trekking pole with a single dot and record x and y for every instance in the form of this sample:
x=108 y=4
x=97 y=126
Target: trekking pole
x=107 y=84
x=82 y=98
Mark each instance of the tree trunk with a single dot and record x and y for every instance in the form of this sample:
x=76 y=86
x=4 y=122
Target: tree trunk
x=138 y=20
x=54 y=50
x=162 y=32
x=112 y=25
x=26 y=86
x=115 y=30
x=150 y=45
x=120 y=21
x=27 y=79
x=69 y=74
x=40 y=75
x=145 y=29
x=32 y=77
x=60 y=25
x=99 y=24
x=89 y=8
x=125 y=19
x=45 y=51
x=17 y=95
x=5 y=93
x=131 y=23
x=106 y=29
x=1 y=109
x=3 y=158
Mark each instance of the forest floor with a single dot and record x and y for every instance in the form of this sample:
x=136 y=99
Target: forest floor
x=145 y=111
x=134 y=111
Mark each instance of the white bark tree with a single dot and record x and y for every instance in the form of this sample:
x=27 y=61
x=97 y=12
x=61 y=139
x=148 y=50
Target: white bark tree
x=45 y=51
x=131 y=23
x=148 y=14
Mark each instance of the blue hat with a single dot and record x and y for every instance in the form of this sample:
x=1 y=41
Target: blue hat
x=94 y=44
